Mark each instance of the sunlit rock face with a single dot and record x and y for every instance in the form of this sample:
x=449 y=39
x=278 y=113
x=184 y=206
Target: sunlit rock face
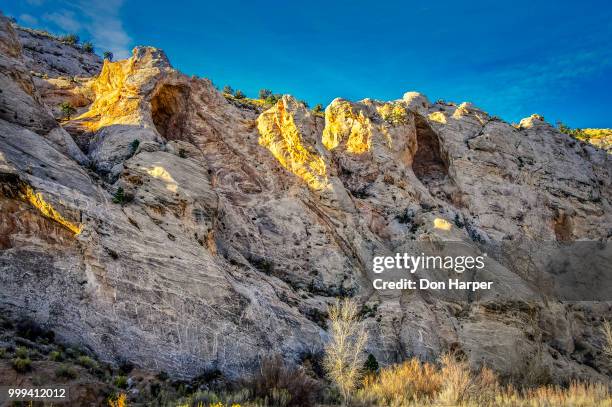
x=373 y=145
x=289 y=131
x=601 y=138
x=369 y=127
x=123 y=88
x=164 y=225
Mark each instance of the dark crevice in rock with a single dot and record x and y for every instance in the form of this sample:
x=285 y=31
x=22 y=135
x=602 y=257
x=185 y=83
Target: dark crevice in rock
x=429 y=163
x=169 y=111
x=563 y=226
x=81 y=136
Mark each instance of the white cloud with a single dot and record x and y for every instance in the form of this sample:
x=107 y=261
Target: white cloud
x=95 y=21
x=105 y=26
x=28 y=20
x=514 y=87
x=63 y=19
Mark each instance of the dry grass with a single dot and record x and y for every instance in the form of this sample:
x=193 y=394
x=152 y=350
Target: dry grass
x=576 y=395
x=413 y=383
x=460 y=385
x=401 y=384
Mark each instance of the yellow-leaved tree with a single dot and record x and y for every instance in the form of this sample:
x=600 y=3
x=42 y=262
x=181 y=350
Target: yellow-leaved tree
x=344 y=353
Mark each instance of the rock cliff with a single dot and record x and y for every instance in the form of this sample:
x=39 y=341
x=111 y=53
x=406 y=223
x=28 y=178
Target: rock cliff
x=165 y=225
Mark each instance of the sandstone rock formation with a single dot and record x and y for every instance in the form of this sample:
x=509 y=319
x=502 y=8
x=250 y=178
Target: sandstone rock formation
x=164 y=225
x=601 y=138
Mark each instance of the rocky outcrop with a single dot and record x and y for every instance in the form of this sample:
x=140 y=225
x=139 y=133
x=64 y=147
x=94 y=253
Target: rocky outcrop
x=164 y=225
x=293 y=147
x=600 y=138
x=21 y=102
x=49 y=56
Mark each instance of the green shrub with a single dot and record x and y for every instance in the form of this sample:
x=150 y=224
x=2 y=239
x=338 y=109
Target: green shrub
x=56 y=356
x=563 y=128
x=119 y=196
x=405 y=217
x=108 y=55
x=2 y=353
x=22 y=365
x=395 y=116
x=125 y=367
x=371 y=364
x=367 y=311
x=72 y=353
x=265 y=94
x=67 y=110
x=304 y=103
x=272 y=99
x=262 y=265
x=87 y=362
x=458 y=222
x=316 y=316
x=31 y=330
x=239 y=94
x=22 y=352
x=318 y=108
x=228 y=89
x=134 y=146
x=576 y=133
x=66 y=372
x=71 y=39
x=121 y=382
x=88 y=47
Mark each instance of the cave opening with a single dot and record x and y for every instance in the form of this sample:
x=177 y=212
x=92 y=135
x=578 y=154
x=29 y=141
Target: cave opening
x=169 y=110
x=428 y=163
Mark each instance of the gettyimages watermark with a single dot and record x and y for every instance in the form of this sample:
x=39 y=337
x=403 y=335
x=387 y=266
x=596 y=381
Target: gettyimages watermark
x=413 y=263
x=566 y=271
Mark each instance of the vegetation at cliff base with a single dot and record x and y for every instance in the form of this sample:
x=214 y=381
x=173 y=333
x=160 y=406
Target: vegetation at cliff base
x=449 y=381
x=344 y=353
x=371 y=365
x=66 y=372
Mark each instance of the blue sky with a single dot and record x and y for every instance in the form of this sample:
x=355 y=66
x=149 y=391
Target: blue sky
x=511 y=58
